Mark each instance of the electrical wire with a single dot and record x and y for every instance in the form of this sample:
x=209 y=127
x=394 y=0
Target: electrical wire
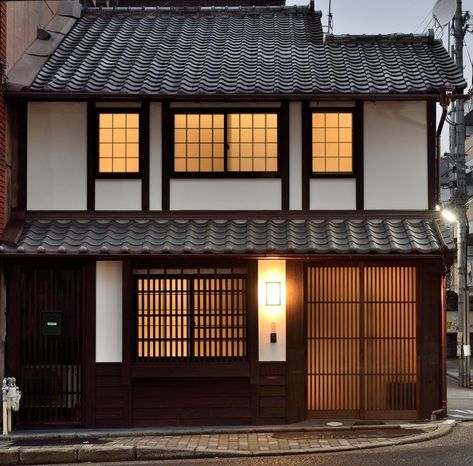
x=431 y=24
x=422 y=22
x=468 y=52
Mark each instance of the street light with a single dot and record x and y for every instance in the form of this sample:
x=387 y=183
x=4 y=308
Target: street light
x=463 y=336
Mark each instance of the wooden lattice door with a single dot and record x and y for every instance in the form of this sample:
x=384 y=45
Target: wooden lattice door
x=49 y=305
x=361 y=342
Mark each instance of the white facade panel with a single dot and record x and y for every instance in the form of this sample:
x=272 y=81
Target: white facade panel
x=155 y=156
x=332 y=194
x=295 y=156
x=225 y=194
x=117 y=194
x=271 y=318
x=395 y=155
x=108 y=312
x=57 y=156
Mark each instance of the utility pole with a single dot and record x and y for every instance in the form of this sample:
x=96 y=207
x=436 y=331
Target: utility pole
x=461 y=209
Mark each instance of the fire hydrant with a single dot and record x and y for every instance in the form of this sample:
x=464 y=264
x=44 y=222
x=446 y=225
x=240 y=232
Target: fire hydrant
x=11 y=402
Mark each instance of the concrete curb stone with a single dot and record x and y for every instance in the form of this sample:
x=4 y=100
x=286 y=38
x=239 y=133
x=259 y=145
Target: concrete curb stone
x=10 y=456
x=47 y=455
x=98 y=453
x=150 y=453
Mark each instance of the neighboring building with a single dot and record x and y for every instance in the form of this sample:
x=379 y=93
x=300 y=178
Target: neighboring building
x=21 y=24
x=219 y=227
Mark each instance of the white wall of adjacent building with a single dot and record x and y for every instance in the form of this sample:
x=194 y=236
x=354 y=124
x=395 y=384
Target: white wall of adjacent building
x=57 y=156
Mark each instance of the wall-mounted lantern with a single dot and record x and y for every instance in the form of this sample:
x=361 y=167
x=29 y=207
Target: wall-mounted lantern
x=273 y=293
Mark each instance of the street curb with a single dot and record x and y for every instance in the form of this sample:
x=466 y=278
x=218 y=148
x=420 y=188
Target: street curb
x=197 y=431
x=90 y=453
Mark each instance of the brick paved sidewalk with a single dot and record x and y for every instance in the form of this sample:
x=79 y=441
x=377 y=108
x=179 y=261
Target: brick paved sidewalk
x=155 y=447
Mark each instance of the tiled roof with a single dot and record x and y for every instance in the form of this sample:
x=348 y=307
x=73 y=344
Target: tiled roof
x=292 y=235
x=258 y=50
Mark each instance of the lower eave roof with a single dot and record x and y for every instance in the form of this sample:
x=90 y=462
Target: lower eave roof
x=239 y=235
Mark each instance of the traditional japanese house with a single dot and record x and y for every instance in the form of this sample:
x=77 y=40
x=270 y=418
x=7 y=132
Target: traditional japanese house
x=225 y=218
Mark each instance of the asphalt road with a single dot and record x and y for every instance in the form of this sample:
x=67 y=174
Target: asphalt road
x=451 y=450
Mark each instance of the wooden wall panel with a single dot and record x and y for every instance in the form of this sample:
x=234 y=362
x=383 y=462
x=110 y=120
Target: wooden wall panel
x=272 y=393
x=191 y=401
x=295 y=342
x=110 y=396
x=430 y=339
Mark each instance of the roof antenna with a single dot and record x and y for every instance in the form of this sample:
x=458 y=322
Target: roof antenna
x=330 y=18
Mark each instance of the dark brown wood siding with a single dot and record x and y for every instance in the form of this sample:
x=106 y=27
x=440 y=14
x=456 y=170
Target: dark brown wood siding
x=110 y=396
x=190 y=401
x=430 y=356
x=272 y=393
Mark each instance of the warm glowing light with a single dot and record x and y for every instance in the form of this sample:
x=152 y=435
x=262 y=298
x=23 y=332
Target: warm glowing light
x=449 y=216
x=273 y=293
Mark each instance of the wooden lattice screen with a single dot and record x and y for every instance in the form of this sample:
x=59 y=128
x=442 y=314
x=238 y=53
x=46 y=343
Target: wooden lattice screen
x=361 y=337
x=50 y=372
x=186 y=315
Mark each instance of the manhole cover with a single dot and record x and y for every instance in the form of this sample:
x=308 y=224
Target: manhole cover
x=58 y=442
x=348 y=433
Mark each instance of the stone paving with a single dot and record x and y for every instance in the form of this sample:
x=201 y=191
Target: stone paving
x=154 y=447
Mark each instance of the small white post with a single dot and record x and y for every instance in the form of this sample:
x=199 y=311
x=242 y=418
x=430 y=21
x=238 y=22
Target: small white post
x=5 y=414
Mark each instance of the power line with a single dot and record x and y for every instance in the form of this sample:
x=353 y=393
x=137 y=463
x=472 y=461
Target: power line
x=422 y=22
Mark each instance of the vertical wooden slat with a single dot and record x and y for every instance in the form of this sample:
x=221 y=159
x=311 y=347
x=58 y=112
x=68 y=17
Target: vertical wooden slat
x=361 y=339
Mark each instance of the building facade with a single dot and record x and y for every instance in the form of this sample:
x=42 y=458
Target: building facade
x=218 y=226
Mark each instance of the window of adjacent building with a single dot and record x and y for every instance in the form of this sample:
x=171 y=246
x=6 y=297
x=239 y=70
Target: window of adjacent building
x=332 y=142
x=118 y=142
x=191 y=316
x=226 y=142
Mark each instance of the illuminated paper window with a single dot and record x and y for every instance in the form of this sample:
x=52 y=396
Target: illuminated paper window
x=226 y=142
x=119 y=142
x=332 y=142
x=199 y=316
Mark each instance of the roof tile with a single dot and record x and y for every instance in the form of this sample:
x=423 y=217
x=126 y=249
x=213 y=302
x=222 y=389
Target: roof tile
x=232 y=236
x=270 y=50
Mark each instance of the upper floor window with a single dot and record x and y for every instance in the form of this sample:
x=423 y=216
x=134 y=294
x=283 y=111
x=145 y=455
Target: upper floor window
x=225 y=142
x=118 y=142
x=332 y=142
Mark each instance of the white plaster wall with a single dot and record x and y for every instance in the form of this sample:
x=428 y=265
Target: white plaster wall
x=395 y=155
x=295 y=156
x=332 y=194
x=155 y=156
x=225 y=194
x=57 y=156
x=118 y=195
x=108 y=312
x=271 y=318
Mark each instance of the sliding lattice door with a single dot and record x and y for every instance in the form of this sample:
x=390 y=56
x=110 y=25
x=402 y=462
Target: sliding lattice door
x=361 y=342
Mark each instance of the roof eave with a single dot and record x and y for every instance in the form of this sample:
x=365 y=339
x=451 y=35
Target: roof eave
x=48 y=95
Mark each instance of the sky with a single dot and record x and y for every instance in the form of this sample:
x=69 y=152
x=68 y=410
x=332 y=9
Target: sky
x=388 y=16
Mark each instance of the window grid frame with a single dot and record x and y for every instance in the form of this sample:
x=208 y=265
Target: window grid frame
x=225 y=111
x=354 y=172
x=119 y=175
x=191 y=314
